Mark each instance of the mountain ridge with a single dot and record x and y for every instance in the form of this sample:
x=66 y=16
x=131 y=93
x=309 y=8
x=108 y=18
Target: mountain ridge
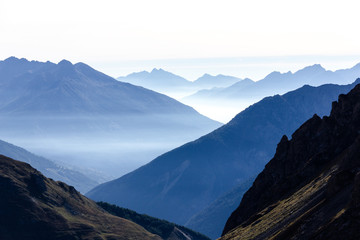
x=310 y=188
x=243 y=145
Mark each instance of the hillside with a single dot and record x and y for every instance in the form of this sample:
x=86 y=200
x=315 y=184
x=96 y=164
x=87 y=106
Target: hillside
x=180 y=183
x=311 y=187
x=162 y=228
x=35 y=207
x=75 y=114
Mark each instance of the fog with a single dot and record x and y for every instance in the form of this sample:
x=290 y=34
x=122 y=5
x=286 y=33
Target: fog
x=104 y=147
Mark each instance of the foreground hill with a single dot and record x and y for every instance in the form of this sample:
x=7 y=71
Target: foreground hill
x=49 y=168
x=180 y=183
x=35 y=207
x=73 y=113
x=311 y=188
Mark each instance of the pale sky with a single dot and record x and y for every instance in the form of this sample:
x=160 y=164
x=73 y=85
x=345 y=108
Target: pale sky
x=190 y=38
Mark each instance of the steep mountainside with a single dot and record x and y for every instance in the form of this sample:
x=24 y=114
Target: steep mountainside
x=73 y=113
x=49 y=168
x=212 y=219
x=35 y=207
x=311 y=188
x=182 y=182
x=162 y=228
x=239 y=96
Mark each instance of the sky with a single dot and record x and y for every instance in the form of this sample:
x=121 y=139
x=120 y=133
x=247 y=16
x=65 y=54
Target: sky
x=235 y=37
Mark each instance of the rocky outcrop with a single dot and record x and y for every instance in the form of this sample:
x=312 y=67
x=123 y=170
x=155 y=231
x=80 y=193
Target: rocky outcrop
x=310 y=189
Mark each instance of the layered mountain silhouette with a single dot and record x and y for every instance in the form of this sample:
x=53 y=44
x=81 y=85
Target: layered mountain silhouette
x=35 y=207
x=311 y=187
x=73 y=113
x=49 y=168
x=180 y=183
x=175 y=86
x=241 y=94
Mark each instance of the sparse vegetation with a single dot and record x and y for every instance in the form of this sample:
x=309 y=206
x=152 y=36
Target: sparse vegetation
x=154 y=225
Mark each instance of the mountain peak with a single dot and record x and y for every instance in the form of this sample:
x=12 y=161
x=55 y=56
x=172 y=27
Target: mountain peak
x=14 y=59
x=312 y=68
x=158 y=70
x=65 y=63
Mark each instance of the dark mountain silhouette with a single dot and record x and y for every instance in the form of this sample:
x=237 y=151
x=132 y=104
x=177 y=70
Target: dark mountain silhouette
x=311 y=187
x=49 y=168
x=73 y=113
x=35 y=207
x=211 y=220
x=180 y=183
x=162 y=228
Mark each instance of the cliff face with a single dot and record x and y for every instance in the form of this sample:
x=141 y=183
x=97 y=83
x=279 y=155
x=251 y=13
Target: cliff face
x=311 y=188
x=35 y=207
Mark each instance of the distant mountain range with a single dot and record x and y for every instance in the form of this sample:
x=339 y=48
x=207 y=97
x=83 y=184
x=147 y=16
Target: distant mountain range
x=49 y=168
x=175 y=86
x=311 y=187
x=181 y=183
x=230 y=100
x=73 y=113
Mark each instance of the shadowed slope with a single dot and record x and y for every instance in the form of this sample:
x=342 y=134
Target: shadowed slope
x=182 y=182
x=311 y=188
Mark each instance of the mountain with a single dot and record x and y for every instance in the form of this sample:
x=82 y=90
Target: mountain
x=49 y=168
x=234 y=88
x=238 y=96
x=311 y=187
x=35 y=207
x=180 y=183
x=162 y=228
x=75 y=114
x=211 y=220
x=175 y=86
x=208 y=81
x=159 y=80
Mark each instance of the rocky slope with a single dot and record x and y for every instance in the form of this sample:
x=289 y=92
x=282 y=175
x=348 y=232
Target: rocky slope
x=179 y=184
x=35 y=207
x=311 y=187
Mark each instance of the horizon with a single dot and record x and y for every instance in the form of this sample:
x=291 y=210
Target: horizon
x=254 y=68
x=184 y=37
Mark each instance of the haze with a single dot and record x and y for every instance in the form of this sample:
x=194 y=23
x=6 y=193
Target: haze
x=117 y=36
